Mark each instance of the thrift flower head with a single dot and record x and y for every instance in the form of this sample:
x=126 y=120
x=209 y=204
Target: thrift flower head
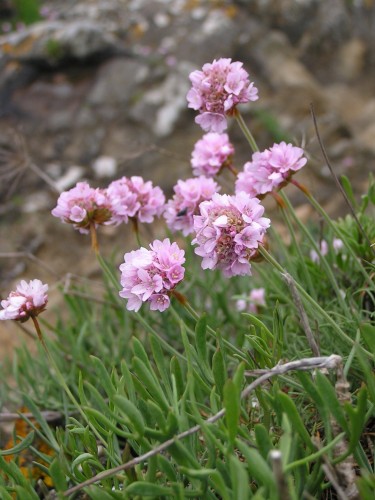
x=83 y=206
x=270 y=169
x=135 y=198
x=29 y=299
x=216 y=90
x=184 y=204
x=337 y=245
x=229 y=230
x=252 y=303
x=211 y=154
x=151 y=275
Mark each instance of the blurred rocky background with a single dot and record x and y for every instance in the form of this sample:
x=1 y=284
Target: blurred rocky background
x=96 y=89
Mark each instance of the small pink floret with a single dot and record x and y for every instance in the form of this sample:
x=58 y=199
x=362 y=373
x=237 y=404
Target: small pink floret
x=179 y=211
x=216 y=91
x=134 y=198
x=229 y=230
x=252 y=303
x=270 y=169
x=151 y=275
x=83 y=206
x=29 y=299
x=211 y=153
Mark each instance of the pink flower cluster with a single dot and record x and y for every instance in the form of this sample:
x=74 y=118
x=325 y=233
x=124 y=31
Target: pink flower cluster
x=83 y=206
x=151 y=275
x=135 y=198
x=28 y=300
x=229 y=230
x=211 y=154
x=270 y=169
x=216 y=90
x=183 y=206
x=253 y=302
x=337 y=245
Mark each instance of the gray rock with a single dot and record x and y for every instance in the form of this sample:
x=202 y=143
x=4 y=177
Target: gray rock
x=54 y=41
x=117 y=81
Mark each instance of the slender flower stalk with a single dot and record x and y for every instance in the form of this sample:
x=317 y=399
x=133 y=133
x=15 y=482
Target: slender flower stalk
x=323 y=260
x=297 y=247
x=336 y=231
x=94 y=238
x=246 y=131
x=135 y=227
x=312 y=302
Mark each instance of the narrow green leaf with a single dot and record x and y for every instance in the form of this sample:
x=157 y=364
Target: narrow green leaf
x=239 y=479
x=57 y=475
x=102 y=376
x=201 y=337
x=258 y=467
x=238 y=377
x=140 y=352
x=148 y=379
x=4 y=495
x=146 y=489
x=368 y=334
x=25 y=443
x=96 y=493
x=40 y=420
x=129 y=385
x=295 y=419
x=328 y=394
x=175 y=369
x=232 y=409
x=357 y=418
x=160 y=361
x=263 y=440
x=220 y=486
x=257 y=322
x=345 y=183
x=130 y=412
x=219 y=371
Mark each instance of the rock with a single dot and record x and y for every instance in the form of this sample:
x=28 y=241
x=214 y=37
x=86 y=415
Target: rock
x=350 y=60
x=161 y=107
x=53 y=42
x=70 y=178
x=104 y=166
x=117 y=81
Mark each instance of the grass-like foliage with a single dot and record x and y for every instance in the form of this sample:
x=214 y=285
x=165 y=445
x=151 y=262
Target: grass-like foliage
x=203 y=400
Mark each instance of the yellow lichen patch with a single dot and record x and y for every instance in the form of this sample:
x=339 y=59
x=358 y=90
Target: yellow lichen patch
x=25 y=458
x=21 y=49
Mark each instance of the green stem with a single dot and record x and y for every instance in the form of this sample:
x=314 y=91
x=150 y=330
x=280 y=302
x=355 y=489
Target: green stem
x=246 y=131
x=298 y=249
x=136 y=230
x=338 y=233
x=313 y=303
x=314 y=456
x=323 y=260
x=62 y=382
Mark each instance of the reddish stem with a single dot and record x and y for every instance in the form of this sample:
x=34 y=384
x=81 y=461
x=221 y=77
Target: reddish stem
x=278 y=199
x=94 y=238
x=301 y=187
x=39 y=332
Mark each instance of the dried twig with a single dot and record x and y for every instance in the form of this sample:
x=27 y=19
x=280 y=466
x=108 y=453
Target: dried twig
x=48 y=415
x=330 y=362
x=303 y=316
x=277 y=468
